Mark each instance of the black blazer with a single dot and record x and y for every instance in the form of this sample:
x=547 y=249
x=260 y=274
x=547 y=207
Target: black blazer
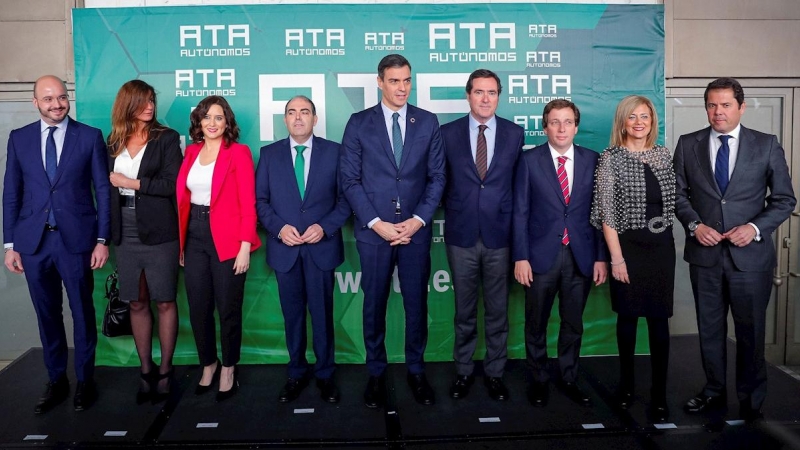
x=156 y=208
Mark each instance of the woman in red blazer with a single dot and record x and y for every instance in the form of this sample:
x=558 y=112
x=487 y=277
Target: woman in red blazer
x=217 y=228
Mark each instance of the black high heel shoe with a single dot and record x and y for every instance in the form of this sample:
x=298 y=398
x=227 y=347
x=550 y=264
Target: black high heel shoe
x=222 y=396
x=146 y=385
x=202 y=389
x=158 y=396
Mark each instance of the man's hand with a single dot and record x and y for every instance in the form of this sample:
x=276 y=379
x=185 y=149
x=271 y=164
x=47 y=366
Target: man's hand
x=290 y=236
x=99 y=256
x=741 y=235
x=707 y=236
x=385 y=230
x=523 y=273
x=406 y=229
x=13 y=262
x=313 y=234
x=600 y=272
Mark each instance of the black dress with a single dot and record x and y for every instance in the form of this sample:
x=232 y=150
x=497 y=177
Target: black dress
x=650 y=260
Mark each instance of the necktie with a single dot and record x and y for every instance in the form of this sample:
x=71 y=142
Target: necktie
x=300 y=170
x=397 y=139
x=480 y=152
x=564 y=182
x=50 y=164
x=721 y=167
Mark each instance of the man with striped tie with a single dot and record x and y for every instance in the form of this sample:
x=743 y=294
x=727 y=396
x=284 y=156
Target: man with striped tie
x=556 y=250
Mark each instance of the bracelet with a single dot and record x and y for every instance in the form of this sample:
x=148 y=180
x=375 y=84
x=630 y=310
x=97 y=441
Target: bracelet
x=619 y=263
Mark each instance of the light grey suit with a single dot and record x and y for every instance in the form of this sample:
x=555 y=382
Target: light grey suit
x=759 y=192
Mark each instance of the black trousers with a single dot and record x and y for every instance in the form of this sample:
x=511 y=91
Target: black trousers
x=658 y=332
x=209 y=283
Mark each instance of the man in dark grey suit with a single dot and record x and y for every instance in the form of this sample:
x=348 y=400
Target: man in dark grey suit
x=733 y=191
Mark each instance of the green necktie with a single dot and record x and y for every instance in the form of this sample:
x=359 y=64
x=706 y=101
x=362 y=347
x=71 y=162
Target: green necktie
x=300 y=170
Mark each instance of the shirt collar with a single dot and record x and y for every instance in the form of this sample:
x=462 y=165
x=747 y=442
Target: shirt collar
x=61 y=125
x=387 y=113
x=570 y=153
x=293 y=143
x=491 y=123
x=734 y=133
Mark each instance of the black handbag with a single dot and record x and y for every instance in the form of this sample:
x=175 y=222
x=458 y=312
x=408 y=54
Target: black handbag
x=117 y=319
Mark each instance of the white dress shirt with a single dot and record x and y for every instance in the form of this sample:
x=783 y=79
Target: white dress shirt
x=58 y=135
x=489 y=133
x=306 y=156
x=569 y=165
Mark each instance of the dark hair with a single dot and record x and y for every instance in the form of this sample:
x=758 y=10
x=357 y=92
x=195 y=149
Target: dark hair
x=561 y=103
x=726 y=83
x=231 y=133
x=303 y=97
x=393 y=60
x=131 y=100
x=484 y=73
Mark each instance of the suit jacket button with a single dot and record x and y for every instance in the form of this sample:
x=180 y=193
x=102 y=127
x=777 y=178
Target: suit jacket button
x=302 y=210
x=723 y=201
x=483 y=187
x=398 y=178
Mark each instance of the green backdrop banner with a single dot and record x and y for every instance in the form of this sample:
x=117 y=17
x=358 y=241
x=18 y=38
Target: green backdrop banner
x=260 y=56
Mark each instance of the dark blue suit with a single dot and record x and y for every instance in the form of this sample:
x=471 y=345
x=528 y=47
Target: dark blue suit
x=478 y=218
x=372 y=183
x=53 y=257
x=540 y=216
x=305 y=273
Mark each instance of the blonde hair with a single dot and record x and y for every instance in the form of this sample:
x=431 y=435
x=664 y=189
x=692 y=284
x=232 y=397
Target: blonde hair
x=624 y=110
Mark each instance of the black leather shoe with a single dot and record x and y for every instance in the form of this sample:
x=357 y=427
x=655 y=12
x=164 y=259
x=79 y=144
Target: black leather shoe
x=748 y=414
x=85 y=395
x=538 y=394
x=55 y=393
x=375 y=394
x=624 y=398
x=292 y=389
x=328 y=390
x=574 y=393
x=461 y=385
x=423 y=393
x=146 y=381
x=659 y=412
x=702 y=402
x=203 y=388
x=497 y=389
x=225 y=395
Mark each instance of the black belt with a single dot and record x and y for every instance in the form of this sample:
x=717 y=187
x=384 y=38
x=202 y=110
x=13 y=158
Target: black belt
x=199 y=212
x=127 y=201
x=48 y=227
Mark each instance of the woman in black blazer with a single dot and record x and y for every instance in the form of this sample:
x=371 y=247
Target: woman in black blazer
x=144 y=158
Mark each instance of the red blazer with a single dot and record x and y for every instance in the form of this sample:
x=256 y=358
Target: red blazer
x=233 y=199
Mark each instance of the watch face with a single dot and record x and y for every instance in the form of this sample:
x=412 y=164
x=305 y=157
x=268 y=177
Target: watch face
x=693 y=226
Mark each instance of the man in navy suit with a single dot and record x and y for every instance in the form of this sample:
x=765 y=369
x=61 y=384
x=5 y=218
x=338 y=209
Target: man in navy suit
x=481 y=151
x=392 y=169
x=54 y=233
x=734 y=191
x=299 y=202
x=556 y=250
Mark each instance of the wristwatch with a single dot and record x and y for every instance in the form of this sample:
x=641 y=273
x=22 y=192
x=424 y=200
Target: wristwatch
x=102 y=241
x=693 y=227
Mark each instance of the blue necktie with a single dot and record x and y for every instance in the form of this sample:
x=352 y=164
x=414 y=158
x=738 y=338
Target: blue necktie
x=50 y=164
x=397 y=139
x=721 y=167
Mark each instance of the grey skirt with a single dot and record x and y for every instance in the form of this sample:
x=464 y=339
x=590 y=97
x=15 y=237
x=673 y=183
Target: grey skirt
x=159 y=263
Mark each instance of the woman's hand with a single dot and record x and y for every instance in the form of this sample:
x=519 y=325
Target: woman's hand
x=620 y=272
x=242 y=261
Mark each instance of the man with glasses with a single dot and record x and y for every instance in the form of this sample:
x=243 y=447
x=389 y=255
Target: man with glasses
x=481 y=152
x=556 y=250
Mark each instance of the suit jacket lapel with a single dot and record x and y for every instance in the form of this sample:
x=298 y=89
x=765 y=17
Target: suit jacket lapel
x=744 y=156
x=70 y=140
x=579 y=168
x=220 y=171
x=411 y=132
x=704 y=158
x=316 y=161
x=546 y=165
x=379 y=125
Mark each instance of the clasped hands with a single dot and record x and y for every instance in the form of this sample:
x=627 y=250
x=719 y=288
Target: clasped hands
x=397 y=233
x=739 y=236
x=291 y=237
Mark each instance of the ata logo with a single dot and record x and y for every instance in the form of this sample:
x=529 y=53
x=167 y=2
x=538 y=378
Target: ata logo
x=205 y=82
x=314 y=41
x=384 y=41
x=542 y=59
x=492 y=42
x=214 y=40
x=542 y=30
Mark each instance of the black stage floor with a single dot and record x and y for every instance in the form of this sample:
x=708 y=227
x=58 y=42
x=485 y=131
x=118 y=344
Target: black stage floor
x=254 y=418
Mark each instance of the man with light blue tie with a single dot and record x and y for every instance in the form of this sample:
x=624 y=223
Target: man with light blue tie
x=392 y=171
x=300 y=203
x=733 y=192
x=55 y=225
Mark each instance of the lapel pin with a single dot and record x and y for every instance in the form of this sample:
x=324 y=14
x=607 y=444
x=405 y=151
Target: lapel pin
x=413 y=120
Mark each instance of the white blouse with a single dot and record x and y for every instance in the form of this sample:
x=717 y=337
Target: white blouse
x=129 y=167
x=198 y=181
